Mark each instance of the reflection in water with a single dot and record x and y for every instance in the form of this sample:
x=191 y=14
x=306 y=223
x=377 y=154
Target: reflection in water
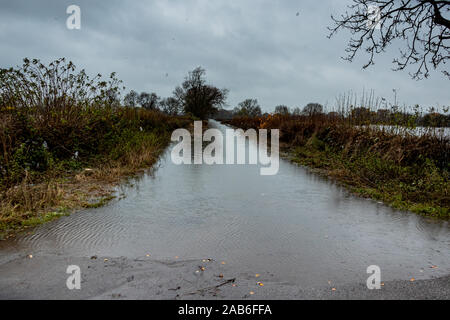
x=294 y=225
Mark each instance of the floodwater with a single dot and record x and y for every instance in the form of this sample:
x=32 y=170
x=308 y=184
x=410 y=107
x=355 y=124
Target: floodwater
x=442 y=132
x=296 y=226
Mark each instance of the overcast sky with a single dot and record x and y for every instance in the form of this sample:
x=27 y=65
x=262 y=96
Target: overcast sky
x=257 y=48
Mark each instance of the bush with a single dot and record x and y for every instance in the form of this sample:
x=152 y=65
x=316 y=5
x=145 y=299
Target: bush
x=53 y=118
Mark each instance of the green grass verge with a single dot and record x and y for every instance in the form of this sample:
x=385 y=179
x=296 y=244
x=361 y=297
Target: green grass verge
x=420 y=189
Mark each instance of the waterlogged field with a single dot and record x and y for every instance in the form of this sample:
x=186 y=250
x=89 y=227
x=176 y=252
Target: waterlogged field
x=418 y=131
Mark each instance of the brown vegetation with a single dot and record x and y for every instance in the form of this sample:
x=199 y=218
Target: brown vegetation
x=405 y=170
x=65 y=140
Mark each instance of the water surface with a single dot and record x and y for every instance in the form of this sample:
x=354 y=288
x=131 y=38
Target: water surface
x=295 y=225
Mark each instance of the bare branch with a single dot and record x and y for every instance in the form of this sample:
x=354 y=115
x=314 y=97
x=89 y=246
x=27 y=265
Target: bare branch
x=421 y=24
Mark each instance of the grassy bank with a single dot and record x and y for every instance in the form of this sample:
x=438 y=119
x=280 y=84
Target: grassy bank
x=405 y=171
x=66 y=141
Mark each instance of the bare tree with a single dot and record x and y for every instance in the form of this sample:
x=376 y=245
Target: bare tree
x=296 y=111
x=171 y=106
x=197 y=97
x=131 y=99
x=148 y=101
x=422 y=24
x=312 y=109
x=282 y=109
x=248 y=108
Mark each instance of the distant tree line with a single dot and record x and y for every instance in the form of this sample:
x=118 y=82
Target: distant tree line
x=194 y=96
x=198 y=98
x=251 y=108
x=395 y=116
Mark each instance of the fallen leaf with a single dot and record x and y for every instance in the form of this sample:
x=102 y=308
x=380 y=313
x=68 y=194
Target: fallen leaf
x=412 y=280
x=260 y=284
x=257 y=275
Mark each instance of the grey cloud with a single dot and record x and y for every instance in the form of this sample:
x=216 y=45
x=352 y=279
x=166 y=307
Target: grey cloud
x=257 y=49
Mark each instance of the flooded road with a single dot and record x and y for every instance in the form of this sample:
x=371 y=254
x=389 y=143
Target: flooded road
x=294 y=226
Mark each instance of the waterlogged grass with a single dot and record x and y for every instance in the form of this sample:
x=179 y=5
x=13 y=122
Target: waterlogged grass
x=420 y=189
x=25 y=220
x=73 y=184
x=99 y=203
x=406 y=171
x=46 y=217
